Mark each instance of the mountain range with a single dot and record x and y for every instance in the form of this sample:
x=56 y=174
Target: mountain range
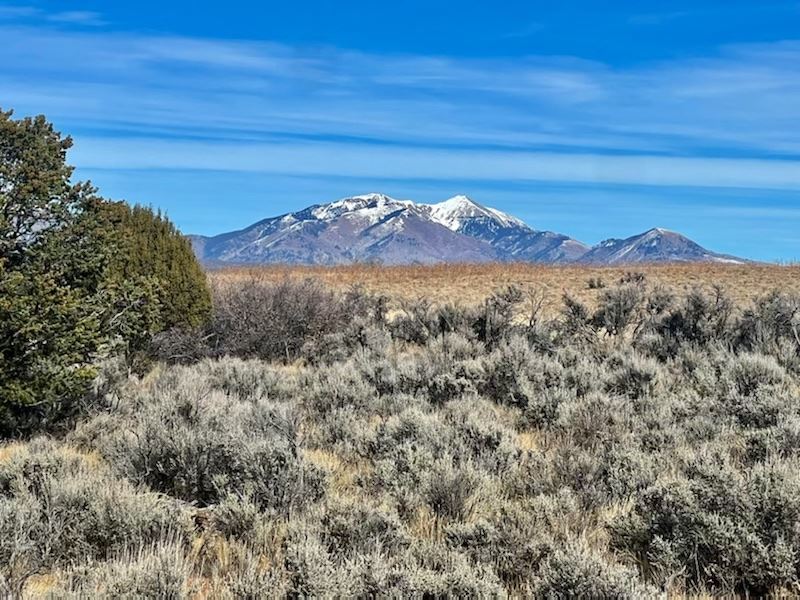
x=380 y=229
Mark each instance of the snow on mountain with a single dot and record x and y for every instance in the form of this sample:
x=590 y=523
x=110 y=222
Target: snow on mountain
x=371 y=227
x=369 y=207
x=377 y=228
x=458 y=210
x=509 y=236
x=654 y=245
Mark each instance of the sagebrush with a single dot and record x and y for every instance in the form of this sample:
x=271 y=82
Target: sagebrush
x=306 y=442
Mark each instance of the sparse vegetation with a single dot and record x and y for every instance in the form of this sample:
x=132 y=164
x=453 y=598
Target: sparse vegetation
x=313 y=444
x=471 y=284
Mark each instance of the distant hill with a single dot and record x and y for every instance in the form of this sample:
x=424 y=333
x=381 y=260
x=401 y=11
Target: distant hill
x=377 y=228
x=655 y=245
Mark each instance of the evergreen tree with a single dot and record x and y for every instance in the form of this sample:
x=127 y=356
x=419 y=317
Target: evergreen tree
x=50 y=330
x=151 y=269
x=80 y=277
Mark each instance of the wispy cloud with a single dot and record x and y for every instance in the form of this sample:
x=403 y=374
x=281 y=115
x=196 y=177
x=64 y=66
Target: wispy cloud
x=79 y=17
x=12 y=12
x=35 y=14
x=526 y=31
x=658 y=18
x=720 y=11
x=732 y=119
x=336 y=159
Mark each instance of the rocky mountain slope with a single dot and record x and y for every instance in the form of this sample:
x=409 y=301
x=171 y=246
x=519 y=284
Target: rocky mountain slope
x=377 y=228
x=655 y=245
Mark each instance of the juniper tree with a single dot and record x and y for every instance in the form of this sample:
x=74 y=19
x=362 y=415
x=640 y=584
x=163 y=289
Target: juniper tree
x=49 y=328
x=80 y=277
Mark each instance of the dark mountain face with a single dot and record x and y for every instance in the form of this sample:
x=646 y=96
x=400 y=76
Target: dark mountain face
x=655 y=245
x=377 y=228
x=539 y=246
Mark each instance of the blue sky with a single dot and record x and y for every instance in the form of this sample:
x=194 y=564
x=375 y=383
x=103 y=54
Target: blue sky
x=595 y=119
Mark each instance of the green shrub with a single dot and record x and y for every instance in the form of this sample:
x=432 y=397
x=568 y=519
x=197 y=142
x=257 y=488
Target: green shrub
x=312 y=571
x=431 y=570
x=595 y=283
x=548 y=463
x=149 y=246
x=772 y=319
x=49 y=328
x=506 y=368
x=619 y=308
x=49 y=339
x=449 y=491
x=753 y=372
x=632 y=376
x=700 y=320
x=352 y=528
x=738 y=530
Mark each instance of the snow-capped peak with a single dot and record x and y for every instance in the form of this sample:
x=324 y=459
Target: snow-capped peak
x=370 y=206
x=373 y=196
x=656 y=231
x=378 y=227
x=458 y=201
x=453 y=212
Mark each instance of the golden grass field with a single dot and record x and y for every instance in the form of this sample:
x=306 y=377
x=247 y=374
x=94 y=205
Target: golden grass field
x=470 y=283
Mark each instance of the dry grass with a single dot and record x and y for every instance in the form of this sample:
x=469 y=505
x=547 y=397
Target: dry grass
x=343 y=475
x=399 y=482
x=91 y=460
x=471 y=283
x=41 y=585
x=425 y=525
x=530 y=441
x=9 y=451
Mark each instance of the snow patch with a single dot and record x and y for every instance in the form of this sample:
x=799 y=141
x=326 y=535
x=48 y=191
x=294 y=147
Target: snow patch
x=367 y=208
x=453 y=212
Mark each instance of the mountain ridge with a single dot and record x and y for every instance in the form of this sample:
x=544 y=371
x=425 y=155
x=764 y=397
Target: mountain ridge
x=654 y=245
x=378 y=228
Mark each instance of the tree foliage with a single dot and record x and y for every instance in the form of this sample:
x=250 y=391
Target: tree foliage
x=80 y=277
x=36 y=195
x=152 y=272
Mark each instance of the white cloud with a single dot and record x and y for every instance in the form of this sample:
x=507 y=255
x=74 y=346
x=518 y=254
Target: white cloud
x=342 y=159
x=716 y=120
x=32 y=13
x=78 y=17
x=11 y=12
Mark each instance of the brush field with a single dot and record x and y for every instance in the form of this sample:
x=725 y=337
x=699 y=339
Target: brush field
x=470 y=283
x=477 y=432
